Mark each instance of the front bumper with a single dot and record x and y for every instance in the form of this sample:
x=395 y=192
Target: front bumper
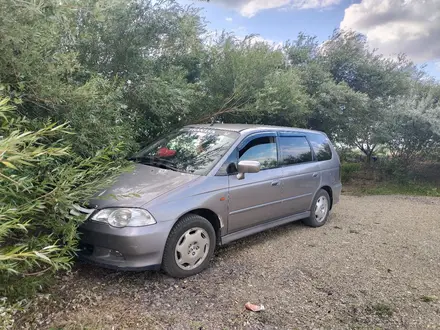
x=129 y=248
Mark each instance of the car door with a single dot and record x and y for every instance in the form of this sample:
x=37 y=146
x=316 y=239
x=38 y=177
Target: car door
x=256 y=198
x=301 y=173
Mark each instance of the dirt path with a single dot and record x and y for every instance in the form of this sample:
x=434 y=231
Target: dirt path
x=376 y=264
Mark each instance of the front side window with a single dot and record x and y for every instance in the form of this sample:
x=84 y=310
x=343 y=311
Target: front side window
x=295 y=150
x=263 y=150
x=190 y=150
x=321 y=146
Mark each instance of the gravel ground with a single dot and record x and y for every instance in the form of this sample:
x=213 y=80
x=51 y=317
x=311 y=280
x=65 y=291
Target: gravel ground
x=375 y=265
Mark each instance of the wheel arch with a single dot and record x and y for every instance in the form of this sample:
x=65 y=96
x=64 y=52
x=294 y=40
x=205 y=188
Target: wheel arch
x=329 y=191
x=211 y=216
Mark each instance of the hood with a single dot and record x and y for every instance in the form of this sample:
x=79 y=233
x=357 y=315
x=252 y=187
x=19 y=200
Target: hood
x=140 y=186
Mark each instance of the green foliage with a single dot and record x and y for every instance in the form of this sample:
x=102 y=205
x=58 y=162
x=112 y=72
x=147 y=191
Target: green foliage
x=411 y=127
x=381 y=309
x=348 y=154
x=41 y=67
x=405 y=188
x=394 y=169
x=282 y=100
x=348 y=170
x=429 y=299
x=130 y=71
x=233 y=74
x=351 y=87
x=40 y=179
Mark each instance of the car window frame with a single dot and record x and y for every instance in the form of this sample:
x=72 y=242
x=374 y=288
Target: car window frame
x=293 y=134
x=233 y=153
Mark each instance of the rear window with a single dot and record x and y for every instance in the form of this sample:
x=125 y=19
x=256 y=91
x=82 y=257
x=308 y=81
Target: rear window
x=321 y=146
x=295 y=150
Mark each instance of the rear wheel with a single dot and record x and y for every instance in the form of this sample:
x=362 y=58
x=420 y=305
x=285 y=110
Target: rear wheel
x=189 y=246
x=320 y=210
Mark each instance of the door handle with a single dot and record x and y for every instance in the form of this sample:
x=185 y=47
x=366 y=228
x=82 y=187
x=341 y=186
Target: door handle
x=315 y=175
x=275 y=183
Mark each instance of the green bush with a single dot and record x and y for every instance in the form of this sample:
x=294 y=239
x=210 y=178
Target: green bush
x=348 y=155
x=394 y=169
x=40 y=179
x=348 y=170
x=407 y=188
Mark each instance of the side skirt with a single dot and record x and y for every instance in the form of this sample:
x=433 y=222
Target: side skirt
x=262 y=227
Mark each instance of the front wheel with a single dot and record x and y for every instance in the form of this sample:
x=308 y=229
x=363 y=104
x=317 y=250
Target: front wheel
x=320 y=210
x=189 y=246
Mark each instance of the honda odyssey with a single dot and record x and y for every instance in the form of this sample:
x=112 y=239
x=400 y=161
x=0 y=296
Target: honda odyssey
x=207 y=185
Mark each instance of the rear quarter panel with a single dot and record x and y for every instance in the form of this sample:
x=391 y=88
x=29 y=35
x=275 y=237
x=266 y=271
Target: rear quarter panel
x=330 y=174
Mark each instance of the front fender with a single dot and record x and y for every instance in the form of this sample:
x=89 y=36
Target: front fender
x=210 y=193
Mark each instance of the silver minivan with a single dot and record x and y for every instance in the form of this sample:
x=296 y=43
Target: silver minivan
x=207 y=185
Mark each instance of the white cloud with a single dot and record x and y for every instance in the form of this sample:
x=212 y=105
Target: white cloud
x=249 y=8
x=240 y=34
x=398 y=26
x=229 y=19
x=313 y=4
x=270 y=42
x=252 y=7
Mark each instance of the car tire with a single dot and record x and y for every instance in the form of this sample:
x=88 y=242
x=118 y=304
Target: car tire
x=320 y=210
x=189 y=247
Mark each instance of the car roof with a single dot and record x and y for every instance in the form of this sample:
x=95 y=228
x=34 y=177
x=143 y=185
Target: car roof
x=254 y=128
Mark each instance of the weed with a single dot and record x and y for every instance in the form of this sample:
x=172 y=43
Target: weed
x=429 y=298
x=348 y=170
x=382 y=310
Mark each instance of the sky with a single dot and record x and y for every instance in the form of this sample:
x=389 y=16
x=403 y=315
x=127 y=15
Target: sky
x=391 y=26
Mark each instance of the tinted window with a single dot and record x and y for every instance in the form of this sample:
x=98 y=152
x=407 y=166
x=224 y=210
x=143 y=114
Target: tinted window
x=321 y=146
x=263 y=150
x=295 y=150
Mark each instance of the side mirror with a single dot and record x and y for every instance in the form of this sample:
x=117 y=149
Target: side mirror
x=247 y=166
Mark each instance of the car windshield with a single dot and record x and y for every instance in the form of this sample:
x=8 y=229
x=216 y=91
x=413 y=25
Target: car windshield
x=190 y=150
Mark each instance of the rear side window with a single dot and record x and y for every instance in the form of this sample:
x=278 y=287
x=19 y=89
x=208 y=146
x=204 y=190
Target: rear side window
x=295 y=150
x=321 y=146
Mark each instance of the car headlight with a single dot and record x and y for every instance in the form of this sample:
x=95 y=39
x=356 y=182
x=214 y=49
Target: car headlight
x=124 y=217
